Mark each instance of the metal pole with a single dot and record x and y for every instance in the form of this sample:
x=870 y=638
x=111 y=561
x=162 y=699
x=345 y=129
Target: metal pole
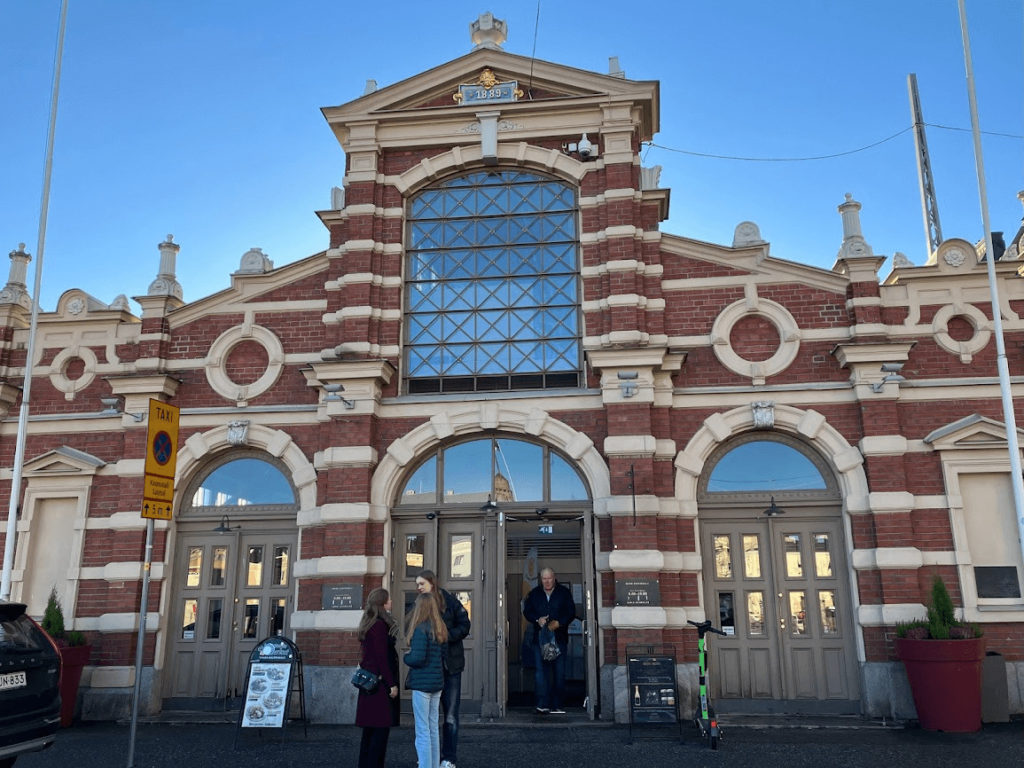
x=1016 y=478
x=140 y=642
x=26 y=391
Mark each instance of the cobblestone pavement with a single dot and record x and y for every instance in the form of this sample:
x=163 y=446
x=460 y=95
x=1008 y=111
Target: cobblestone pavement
x=544 y=744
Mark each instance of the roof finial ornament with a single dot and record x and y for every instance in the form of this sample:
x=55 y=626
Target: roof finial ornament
x=488 y=32
x=166 y=283
x=854 y=245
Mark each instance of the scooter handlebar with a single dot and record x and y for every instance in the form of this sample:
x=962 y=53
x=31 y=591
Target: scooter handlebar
x=704 y=627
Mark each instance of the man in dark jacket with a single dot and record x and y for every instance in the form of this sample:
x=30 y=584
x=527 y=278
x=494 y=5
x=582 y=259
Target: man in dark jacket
x=550 y=609
x=454 y=657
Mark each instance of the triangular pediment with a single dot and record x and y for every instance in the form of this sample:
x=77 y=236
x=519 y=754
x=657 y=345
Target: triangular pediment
x=749 y=261
x=63 y=461
x=542 y=83
x=972 y=432
x=278 y=284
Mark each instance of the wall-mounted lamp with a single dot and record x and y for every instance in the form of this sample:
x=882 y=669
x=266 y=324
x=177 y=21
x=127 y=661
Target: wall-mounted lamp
x=541 y=511
x=334 y=391
x=892 y=376
x=489 y=506
x=583 y=148
x=431 y=515
x=226 y=526
x=774 y=510
x=112 y=406
x=628 y=383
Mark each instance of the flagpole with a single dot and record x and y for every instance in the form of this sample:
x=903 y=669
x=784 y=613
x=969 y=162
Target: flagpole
x=26 y=391
x=1016 y=478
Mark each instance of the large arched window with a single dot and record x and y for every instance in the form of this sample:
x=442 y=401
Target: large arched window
x=503 y=470
x=492 y=285
x=248 y=483
x=759 y=465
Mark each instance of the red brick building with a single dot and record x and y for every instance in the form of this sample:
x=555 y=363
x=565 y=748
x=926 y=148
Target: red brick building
x=500 y=363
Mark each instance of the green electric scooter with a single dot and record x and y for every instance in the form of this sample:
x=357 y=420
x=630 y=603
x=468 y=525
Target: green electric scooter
x=705 y=720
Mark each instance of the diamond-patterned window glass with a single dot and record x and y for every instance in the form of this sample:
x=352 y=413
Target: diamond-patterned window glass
x=492 y=285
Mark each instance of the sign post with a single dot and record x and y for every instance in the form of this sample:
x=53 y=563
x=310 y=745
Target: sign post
x=157 y=503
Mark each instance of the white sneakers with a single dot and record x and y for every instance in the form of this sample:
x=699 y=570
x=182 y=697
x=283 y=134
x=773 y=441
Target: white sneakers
x=447 y=764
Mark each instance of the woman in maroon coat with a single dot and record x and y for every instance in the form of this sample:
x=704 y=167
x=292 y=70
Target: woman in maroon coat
x=376 y=712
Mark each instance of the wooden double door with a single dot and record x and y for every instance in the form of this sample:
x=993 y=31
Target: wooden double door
x=233 y=589
x=779 y=588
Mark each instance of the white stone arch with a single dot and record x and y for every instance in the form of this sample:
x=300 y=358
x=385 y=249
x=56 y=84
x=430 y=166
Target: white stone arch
x=482 y=418
x=520 y=154
x=846 y=459
x=200 y=446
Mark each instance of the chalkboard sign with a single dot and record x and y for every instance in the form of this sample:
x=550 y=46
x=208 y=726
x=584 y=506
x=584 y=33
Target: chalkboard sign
x=652 y=689
x=652 y=693
x=342 y=597
x=637 y=592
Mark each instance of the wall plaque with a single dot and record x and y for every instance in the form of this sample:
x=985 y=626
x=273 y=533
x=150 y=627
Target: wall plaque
x=343 y=597
x=997 y=581
x=637 y=592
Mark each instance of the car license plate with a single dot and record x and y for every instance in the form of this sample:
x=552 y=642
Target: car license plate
x=12 y=680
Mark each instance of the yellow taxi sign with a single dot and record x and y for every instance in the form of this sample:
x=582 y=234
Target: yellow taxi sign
x=158 y=510
x=162 y=439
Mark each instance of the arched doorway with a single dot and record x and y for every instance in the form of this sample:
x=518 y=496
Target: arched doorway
x=485 y=514
x=235 y=546
x=776 y=578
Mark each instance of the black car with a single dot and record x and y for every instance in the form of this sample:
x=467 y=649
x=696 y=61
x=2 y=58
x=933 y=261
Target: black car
x=29 y=685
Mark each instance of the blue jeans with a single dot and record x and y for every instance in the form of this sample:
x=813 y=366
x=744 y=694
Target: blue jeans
x=549 y=677
x=451 y=697
x=426 y=708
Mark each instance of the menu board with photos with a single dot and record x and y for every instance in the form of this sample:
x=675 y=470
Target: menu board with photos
x=268 y=684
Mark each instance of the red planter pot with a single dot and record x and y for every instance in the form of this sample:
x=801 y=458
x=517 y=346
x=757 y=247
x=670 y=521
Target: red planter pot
x=945 y=678
x=72 y=659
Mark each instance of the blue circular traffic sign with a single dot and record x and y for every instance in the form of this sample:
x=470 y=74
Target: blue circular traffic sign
x=162 y=447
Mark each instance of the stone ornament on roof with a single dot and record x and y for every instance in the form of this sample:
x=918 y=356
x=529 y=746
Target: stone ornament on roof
x=254 y=262
x=15 y=291
x=746 y=233
x=854 y=246
x=488 y=32
x=166 y=283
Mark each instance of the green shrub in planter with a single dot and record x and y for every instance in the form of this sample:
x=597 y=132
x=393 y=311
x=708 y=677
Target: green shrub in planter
x=941 y=623
x=53 y=623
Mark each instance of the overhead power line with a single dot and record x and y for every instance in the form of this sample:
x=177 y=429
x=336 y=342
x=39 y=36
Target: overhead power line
x=742 y=158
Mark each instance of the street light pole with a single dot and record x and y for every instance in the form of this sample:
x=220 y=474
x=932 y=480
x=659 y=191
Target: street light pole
x=19 y=446
x=1016 y=478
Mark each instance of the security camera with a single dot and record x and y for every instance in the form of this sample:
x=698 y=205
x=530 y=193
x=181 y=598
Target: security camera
x=584 y=147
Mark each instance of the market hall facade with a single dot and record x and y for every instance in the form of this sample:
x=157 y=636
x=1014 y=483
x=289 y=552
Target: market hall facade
x=498 y=364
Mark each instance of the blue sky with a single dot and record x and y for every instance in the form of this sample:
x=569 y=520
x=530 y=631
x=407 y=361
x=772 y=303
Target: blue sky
x=202 y=119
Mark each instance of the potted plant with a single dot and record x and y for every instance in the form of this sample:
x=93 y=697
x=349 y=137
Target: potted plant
x=74 y=655
x=943 y=656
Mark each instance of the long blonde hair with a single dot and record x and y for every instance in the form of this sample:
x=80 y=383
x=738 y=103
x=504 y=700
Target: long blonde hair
x=375 y=609
x=425 y=609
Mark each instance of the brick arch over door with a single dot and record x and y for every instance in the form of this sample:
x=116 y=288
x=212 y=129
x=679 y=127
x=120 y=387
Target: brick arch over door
x=813 y=429
x=472 y=419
